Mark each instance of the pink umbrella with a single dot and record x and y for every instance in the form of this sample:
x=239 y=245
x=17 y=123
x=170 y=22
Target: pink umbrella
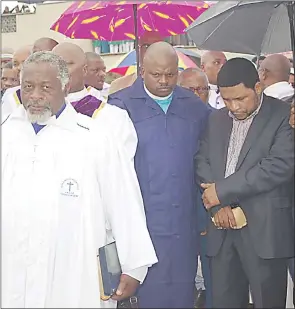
x=114 y=20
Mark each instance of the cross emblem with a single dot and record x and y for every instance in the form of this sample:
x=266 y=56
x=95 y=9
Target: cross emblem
x=70 y=184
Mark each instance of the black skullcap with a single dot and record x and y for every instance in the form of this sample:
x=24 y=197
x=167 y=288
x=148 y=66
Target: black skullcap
x=238 y=71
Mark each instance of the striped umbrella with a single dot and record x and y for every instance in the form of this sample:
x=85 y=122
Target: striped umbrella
x=127 y=65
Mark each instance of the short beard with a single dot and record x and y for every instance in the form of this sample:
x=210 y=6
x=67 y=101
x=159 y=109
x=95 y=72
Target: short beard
x=39 y=118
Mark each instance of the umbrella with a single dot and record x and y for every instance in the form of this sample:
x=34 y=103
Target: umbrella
x=114 y=20
x=250 y=27
x=127 y=65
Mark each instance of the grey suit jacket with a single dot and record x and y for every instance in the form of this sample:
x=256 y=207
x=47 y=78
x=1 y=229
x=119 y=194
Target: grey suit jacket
x=263 y=179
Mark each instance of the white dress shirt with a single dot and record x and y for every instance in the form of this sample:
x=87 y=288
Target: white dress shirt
x=215 y=99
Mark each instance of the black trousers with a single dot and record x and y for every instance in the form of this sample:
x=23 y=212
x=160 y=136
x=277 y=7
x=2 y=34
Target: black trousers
x=236 y=266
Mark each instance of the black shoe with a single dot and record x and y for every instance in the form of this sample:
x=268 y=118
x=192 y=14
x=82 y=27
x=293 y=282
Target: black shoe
x=200 y=298
x=250 y=306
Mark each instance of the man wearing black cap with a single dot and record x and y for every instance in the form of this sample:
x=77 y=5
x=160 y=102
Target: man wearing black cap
x=245 y=171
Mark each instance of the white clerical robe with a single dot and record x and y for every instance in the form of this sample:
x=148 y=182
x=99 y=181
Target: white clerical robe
x=113 y=119
x=65 y=190
x=102 y=94
x=9 y=102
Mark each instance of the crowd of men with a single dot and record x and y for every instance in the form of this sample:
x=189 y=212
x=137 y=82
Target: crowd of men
x=181 y=169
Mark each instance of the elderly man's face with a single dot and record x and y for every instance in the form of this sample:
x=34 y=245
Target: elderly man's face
x=160 y=78
x=41 y=91
x=198 y=84
x=96 y=73
x=9 y=78
x=240 y=100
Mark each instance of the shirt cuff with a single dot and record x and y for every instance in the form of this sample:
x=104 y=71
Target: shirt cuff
x=138 y=273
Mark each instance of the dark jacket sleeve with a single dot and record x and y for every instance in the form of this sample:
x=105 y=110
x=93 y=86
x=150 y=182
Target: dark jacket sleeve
x=202 y=163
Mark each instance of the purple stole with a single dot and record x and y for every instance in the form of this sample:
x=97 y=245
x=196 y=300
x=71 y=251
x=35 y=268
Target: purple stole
x=18 y=95
x=87 y=105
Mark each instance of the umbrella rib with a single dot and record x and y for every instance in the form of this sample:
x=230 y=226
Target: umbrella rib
x=262 y=43
x=216 y=28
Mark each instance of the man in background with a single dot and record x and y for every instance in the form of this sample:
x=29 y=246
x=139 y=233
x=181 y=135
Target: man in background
x=211 y=63
x=274 y=73
x=9 y=77
x=95 y=75
x=147 y=39
x=6 y=55
x=195 y=80
x=44 y=44
x=78 y=96
x=20 y=55
x=86 y=102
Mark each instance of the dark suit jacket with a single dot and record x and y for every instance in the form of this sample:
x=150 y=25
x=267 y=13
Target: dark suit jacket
x=262 y=181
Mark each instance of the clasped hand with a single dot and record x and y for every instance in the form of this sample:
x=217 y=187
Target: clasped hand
x=224 y=218
x=210 y=198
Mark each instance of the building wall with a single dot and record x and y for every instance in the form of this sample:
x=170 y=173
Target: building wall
x=32 y=26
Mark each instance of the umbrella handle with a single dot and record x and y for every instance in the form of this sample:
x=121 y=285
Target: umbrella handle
x=136 y=36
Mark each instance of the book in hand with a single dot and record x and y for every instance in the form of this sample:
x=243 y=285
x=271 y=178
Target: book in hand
x=109 y=270
x=240 y=218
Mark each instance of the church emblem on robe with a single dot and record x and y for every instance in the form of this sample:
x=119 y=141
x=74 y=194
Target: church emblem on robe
x=70 y=187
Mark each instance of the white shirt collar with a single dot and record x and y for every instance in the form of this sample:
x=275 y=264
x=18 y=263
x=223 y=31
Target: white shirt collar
x=213 y=87
x=76 y=96
x=154 y=97
x=279 y=90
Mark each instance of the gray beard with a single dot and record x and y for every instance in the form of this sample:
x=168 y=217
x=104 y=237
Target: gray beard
x=39 y=118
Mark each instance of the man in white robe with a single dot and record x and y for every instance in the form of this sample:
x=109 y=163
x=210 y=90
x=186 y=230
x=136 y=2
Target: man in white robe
x=95 y=76
x=66 y=190
x=10 y=100
x=113 y=119
x=211 y=63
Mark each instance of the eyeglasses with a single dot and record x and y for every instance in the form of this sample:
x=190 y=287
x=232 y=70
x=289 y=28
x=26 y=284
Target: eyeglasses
x=200 y=90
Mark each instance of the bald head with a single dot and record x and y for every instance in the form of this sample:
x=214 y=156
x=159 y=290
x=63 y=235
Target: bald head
x=92 y=55
x=274 y=69
x=147 y=39
x=160 y=51
x=96 y=70
x=196 y=80
x=19 y=57
x=76 y=61
x=44 y=44
x=211 y=63
x=160 y=69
